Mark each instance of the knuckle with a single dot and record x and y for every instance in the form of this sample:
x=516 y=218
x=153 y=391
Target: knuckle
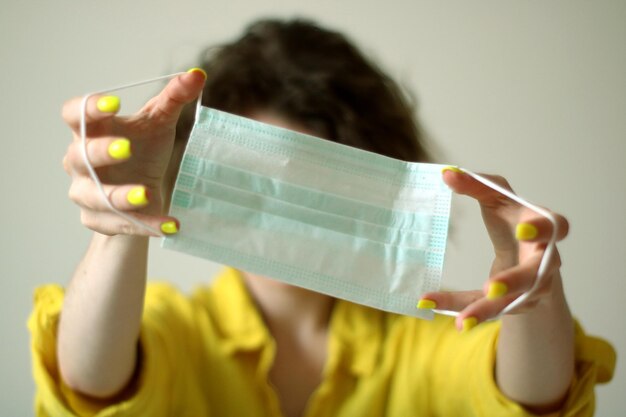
x=88 y=220
x=127 y=228
x=80 y=193
x=500 y=180
x=68 y=110
x=74 y=193
x=93 y=222
x=69 y=159
x=66 y=166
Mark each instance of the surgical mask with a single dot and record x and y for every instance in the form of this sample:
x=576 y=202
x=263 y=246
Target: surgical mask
x=310 y=212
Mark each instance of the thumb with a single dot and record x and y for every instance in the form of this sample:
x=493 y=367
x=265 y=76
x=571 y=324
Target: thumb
x=177 y=93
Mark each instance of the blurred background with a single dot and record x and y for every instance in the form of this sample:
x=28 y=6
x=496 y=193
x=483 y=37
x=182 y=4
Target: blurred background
x=534 y=91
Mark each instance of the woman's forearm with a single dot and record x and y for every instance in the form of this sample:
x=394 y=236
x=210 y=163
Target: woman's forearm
x=101 y=316
x=535 y=355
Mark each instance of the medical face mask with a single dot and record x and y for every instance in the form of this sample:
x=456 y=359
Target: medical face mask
x=312 y=213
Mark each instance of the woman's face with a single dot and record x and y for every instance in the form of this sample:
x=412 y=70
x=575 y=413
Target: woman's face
x=273 y=118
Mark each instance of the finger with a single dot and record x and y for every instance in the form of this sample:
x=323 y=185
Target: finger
x=449 y=300
x=99 y=109
x=504 y=288
x=533 y=227
x=126 y=197
x=462 y=183
x=481 y=310
x=521 y=278
x=101 y=152
x=177 y=93
x=514 y=280
x=112 y=224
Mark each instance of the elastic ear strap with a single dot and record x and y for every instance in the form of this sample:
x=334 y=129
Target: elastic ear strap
x=92 y=171
x=547 y=255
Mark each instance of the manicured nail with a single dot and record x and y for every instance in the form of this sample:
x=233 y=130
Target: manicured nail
x=452 y=168
x=108 y=104
x=496 y=290
x=426 y=304
x=200 y=70
x=169 y=228
x=469 y=323
x=120 y=149
x=525 y=231
x=137 y=196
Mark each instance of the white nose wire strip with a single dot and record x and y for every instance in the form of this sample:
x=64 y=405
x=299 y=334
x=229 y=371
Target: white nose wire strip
x=547 y=255
x=92 y=171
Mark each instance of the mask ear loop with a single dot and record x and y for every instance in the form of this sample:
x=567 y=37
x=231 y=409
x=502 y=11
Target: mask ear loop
x=547 y=255
x=92 y=171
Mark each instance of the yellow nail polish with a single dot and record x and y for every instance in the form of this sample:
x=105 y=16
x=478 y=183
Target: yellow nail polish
x=108 y=104
x=169 y=228
x=469 y=323
x=525 y=231
x=452 y=168
x=200 y=70
x=426 y=304
x=120 y=149
x=137 y=196
x=496 y=290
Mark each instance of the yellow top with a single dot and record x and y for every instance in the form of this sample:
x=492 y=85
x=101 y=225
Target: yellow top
x=210 y=354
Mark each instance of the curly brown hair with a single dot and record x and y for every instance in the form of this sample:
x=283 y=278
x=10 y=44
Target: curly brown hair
x=314 y=77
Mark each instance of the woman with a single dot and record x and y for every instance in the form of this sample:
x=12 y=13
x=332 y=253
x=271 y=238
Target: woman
x=249 y=345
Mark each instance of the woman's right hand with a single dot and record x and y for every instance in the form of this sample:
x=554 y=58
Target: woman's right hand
x=130 y=155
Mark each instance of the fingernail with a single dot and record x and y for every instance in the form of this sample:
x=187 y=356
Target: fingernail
x=525 y=231
x=200 y=70
x=496 y=290
x=426 y=304
x=452 y=168
x=108 y=104
x=469 y=323
x=137 y=196
x=120 y=149
x=169 y=228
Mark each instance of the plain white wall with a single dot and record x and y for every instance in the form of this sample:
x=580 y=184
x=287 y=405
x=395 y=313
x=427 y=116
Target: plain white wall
x=532 y=90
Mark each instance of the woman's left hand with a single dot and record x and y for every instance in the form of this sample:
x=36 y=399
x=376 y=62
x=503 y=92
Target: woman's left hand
x=519 y=237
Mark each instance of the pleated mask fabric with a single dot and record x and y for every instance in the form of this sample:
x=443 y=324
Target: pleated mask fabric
x=311 y=212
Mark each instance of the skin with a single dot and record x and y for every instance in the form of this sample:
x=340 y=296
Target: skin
x=535 y=357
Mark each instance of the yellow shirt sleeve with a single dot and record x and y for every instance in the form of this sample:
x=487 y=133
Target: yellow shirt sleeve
x=164 y=384
x=378 y=364
x=463 y=380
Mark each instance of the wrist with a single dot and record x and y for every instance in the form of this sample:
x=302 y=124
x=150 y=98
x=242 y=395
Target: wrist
x=550 y=305
x=117 y=249
x=535 y=353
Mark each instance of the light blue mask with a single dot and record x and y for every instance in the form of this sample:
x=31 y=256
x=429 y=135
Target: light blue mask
x=311 y=212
